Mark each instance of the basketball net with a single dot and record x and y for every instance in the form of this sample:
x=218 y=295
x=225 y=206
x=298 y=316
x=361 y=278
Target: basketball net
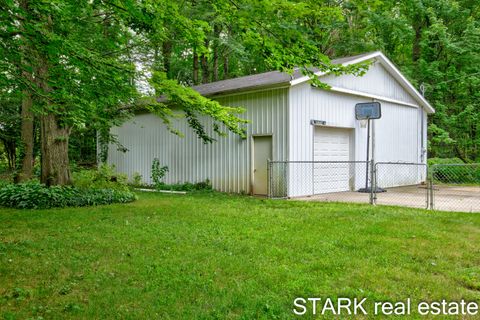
x=363 y=123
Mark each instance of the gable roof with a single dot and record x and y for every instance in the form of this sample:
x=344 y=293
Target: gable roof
x=279 y=79
x=265 y=79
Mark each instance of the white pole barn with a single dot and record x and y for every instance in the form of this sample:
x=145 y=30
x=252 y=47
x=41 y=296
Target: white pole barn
x=281 y=108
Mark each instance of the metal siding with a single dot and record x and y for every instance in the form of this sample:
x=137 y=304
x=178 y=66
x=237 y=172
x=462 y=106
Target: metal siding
x=376 y=81
x=397 y=132
x=397 y=139
x=309 y=103
x=225 y=162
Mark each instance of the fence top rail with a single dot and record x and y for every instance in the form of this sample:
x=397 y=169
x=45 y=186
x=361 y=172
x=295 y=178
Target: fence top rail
x=287 y=161
x=455 y=165
x=403 y=163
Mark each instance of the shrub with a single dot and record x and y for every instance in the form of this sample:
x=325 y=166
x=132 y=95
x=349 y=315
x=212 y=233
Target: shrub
x=445 y=170
x=188 y=186
x=137 y=179
x=434 y=161
x=105 y=177
x=158 y=173
x=33 y=195
x=4 y=182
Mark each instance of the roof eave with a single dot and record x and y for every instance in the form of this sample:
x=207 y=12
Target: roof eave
x=407 y=85
x=246 y=89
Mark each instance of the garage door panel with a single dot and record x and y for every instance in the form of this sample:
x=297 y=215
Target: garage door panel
x=331 y=144
x=332 y=156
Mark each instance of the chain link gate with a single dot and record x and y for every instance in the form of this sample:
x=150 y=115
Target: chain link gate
x=277 y=179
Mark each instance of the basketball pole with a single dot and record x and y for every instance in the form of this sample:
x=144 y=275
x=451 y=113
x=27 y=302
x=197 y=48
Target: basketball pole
x=369 y=111
x=368 y=153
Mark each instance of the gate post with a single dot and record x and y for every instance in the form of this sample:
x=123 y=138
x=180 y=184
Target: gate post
x=430 y=178
x=269 y=179
x=427 y=183
x=373 y=182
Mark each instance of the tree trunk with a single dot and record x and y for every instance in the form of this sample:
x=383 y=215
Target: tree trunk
x=26 y=114
x=53 y=140
x=226 y=57
x=205 y=71
x=225 y=65
x=216 y=45
x=215 y=63
x=416 y=48
x=10 y=149
x=54 y=146
x=26 y=135
x=167 y=57
x=195 y=67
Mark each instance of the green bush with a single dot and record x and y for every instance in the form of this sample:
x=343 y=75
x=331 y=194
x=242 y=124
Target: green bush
x=137 y=179
x=105 y=177
x=451 y=170
x=158 y=173
x=4 y=183
x=33 y=195
x=434 y=161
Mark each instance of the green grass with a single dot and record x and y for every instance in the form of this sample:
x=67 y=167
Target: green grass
x=217 y=256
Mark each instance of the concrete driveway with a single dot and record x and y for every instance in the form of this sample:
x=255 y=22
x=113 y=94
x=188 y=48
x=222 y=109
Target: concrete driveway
x=456 y=198
x=446 y=198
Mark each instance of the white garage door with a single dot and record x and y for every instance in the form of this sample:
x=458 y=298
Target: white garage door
x=331 y=144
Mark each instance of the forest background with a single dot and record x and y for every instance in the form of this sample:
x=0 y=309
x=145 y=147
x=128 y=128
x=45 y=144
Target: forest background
x=69 y=70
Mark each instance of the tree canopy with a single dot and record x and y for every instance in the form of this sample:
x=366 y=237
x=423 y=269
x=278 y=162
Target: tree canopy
x=76 y=68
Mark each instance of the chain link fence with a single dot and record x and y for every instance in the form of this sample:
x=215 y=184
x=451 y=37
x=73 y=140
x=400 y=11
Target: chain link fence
x=451 y=187
x=455 y=187
x=401 y=183
x=319 y=180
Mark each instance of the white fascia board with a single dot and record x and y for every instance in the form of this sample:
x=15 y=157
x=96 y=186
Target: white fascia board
x=371 y=96
x=391 y=69
x=403 y=81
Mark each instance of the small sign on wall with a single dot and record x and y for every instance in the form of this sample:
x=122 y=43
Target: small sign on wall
x=318 y=122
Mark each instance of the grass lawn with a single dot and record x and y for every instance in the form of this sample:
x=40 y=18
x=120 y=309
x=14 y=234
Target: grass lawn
x=219 y=256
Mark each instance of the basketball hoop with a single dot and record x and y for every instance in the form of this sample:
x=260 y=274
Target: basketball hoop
x=364 y=112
